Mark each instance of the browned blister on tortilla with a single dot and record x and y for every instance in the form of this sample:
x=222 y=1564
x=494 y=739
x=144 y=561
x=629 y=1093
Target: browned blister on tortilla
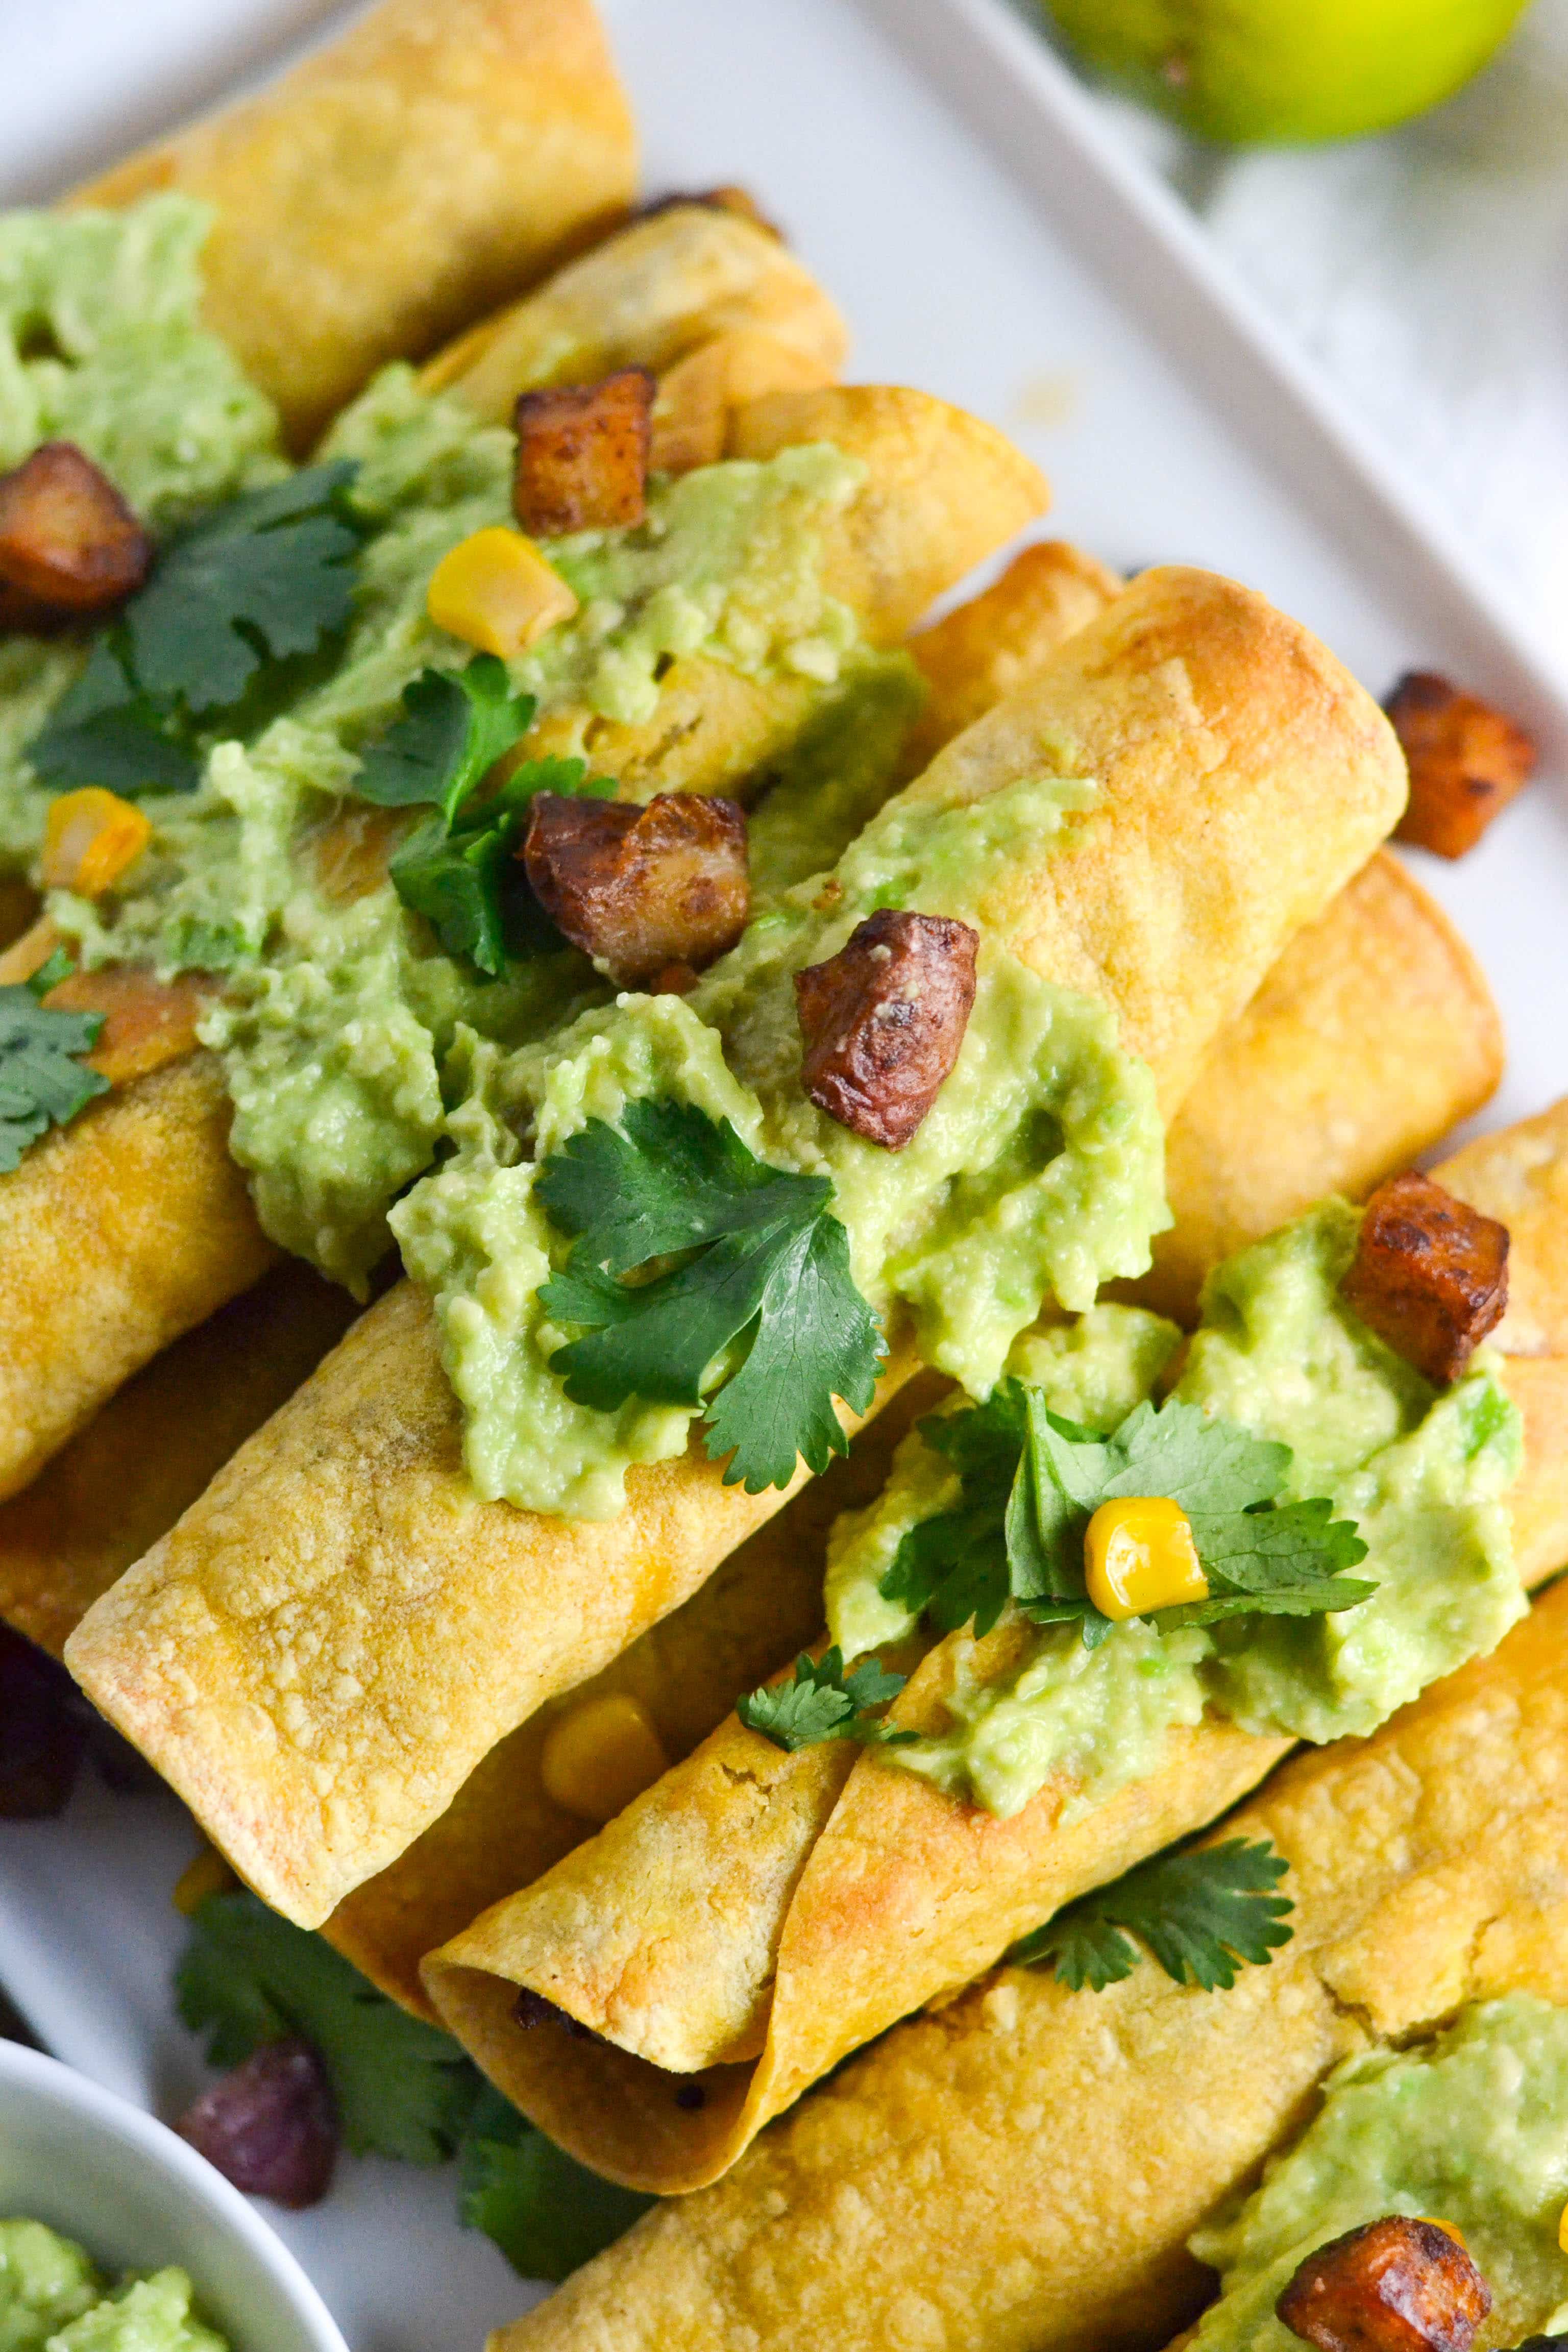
x=69 y=545
x=1430 y=1276
x=883 y=1020
x=641 y=888
x=1398 y=2284
x=1468 y=760
x=583 y=455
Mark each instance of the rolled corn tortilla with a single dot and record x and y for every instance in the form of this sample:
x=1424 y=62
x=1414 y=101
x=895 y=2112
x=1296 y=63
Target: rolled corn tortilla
x=942 y=490
x=326 y=1645
x=435 y=159
x=649 y=297
x=1021 y=2170
x=757 y=1914
x=125 y=1478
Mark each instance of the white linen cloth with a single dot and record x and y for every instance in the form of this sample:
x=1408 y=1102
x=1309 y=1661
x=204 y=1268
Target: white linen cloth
x=1427 y=272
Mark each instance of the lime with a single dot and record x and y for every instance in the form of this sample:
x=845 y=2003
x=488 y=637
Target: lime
x=1255 y=71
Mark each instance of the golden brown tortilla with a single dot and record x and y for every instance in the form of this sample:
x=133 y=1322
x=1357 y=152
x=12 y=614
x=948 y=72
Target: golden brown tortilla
x=942 y=490
x=436 y=157
x=755 y=1915
x=332 y=1639
x=1020 y=2171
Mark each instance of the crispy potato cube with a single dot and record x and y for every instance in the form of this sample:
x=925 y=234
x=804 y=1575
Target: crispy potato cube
x=1430 y=1274
x=883 y=1020
x=641 y=889
x=68 y=542
x=583 y=455
x=1394 y=2285
x=1466 y=762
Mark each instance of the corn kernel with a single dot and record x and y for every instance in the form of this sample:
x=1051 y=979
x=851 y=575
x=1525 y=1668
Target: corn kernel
x=1563 y=2230
x=1138 y=1555
x=90 y=838
x=597 y=1758
x=206 y=1874
x=496 y=590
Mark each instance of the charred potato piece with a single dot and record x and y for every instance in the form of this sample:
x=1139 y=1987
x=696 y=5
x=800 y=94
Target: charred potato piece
x=68 y=542
x=583 y=455
x=883 y=1020
x=1430 y=1274
x=1394 y=2285
x=654 y=891
x=1466 y=762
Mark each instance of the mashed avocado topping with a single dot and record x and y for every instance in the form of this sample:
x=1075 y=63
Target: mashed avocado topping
x=1423 y=1473
x=337 y=1009
x=1470 y=2130
x=1038 y=1173
x=53 y=2299
x=101 y=345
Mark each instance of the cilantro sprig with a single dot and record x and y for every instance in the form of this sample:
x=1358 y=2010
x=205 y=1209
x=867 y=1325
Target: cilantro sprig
x=820 y=1701
x=234 y=606
x=762 y=1260
x=402 y=2089
x=1203 y=1914
x=460 y=869
x=43 y=1084
x=1031 y=1482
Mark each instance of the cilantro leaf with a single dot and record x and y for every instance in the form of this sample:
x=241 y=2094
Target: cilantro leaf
x=42 y=1082
x=457 y=724
x=258 y=584
x=460 y=870
x=820 y=1701
x=1203 y=1914
x=762 y=1259
x=402 y=2088
x=547 y=2213
x=104 y=730
x=267 y=576
x=1032 y=1481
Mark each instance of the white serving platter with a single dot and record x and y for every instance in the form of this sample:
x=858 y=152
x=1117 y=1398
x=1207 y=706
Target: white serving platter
x=988 y=239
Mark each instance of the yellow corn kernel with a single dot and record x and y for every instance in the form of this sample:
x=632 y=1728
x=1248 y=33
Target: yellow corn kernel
x=496 y=590
x=597 y=1758
x=206 y=1874
x=1138 y=1555
x=1563 y=2228
x=90 y=838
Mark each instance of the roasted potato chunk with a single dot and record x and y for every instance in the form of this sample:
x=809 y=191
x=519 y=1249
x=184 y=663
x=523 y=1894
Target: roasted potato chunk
x=68 y=542
x=883 y=1020
x=1430 y=1274
x=654 y=891
x=1394 y=2285
x=583 y=455
x=1466 y=762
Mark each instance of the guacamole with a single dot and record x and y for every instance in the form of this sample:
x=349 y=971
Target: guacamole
x=102 y=343
x=1423 y=1473
x=1037 y=1175
x=1470 y=2129
x=52 y=2299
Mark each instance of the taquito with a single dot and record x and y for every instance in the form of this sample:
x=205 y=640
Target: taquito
x=435 y=159
x=143 y=1179
x=756 y=1914
x=1021 y=2170
x=322 y=1651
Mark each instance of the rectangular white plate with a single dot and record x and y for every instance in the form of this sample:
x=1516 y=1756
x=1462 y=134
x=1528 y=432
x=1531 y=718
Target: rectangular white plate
x=959 y=194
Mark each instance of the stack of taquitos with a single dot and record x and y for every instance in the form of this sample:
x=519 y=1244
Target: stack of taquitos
x=1021 y=2170
x=758 y=1915
x=132 y=1224
x=318 y=1717
x=1381 y=981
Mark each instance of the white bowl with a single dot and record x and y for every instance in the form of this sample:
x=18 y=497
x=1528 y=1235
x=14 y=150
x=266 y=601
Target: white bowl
x=132 y=2192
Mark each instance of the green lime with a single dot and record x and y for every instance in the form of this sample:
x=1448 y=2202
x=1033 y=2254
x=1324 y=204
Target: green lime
x=1255 y=72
